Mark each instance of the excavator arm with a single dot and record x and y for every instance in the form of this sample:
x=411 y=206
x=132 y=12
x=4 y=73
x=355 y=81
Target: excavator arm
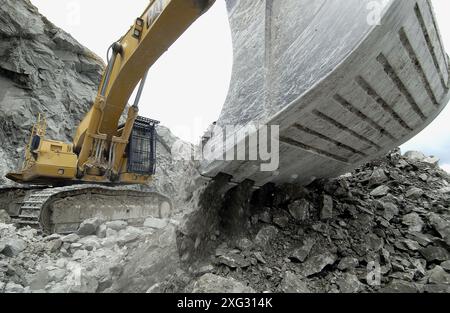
x=98 y=153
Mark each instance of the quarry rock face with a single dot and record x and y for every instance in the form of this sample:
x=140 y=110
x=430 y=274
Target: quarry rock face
x=345 y=82
x=42 y=70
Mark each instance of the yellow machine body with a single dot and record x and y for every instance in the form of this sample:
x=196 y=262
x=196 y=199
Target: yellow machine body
x=99 y=150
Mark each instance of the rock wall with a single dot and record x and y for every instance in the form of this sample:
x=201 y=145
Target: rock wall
x=42 y=70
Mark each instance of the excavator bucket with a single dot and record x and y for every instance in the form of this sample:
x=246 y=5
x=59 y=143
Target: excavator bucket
x=344 y=80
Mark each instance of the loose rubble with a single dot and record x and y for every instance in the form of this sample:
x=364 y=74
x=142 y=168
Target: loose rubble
x=368 y=231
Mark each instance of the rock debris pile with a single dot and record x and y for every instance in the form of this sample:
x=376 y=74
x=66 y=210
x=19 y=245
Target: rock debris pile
x=383 y=228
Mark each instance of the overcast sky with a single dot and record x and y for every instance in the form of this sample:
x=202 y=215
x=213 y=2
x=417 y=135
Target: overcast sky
x=188 y=85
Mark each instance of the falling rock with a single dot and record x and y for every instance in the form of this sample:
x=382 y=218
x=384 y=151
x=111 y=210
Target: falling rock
x=439 y=276
x=413 y=221
x=292 y=283
x=349 y=283
x=302 y=253
x=54 y=245
x=433 y=253
x=13 y=246
x=414 y=193
x=317 y=263
x=415 y=155
x=265 y=235
x=116 y=225
x=380 y=191
x=327 y=208
x=155 y=223
x=210 y=283
x=300 y=209
x=348 y=263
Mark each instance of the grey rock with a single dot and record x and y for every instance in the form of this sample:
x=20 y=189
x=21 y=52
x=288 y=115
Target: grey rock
x=349 y=283
x=445 y=190
x=326 y=211
x=210 y=283
x=378 y=177
x=265 y=217
x=441 y=226
x=12 y=287
x=80 y=255
x=292 y=283
x=116 y=225
x=432 y=160
x=413 y=221
x=400 y=286
x=13 y=246
x=317 y=263
x=259 y=257
x=281 y=221
x=300 y=209
x=244 y=244
x=414 y=193
x=432 y=288
x=234 y=260
x=348 y=263
x=71 y=238
x=446 y=265
x=415 y=155
x=439 y=276
x=89 y=226
x=4 y=217
x=40 y=280
x=300 y=254
x=433 y=253
x=101 y=231
x=265 y=235
x=380 y=191
x=390 y=210
x=54 y=245
x=155 y=223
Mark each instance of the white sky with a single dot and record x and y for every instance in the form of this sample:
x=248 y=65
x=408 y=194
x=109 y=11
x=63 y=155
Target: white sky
x=187 y=87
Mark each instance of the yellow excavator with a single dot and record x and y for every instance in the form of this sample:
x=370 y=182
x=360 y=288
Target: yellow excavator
x=103 y=151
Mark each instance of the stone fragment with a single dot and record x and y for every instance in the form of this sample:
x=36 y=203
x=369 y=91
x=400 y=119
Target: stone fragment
x=378 y=177
x=292 y=283
x=327 y=208
x=4 y=217
x=281 y=221
x=39 y=280
x=116 y=225
x=439 y=276
x=433 y=253
x=155 y=223
x=244 y=244
x=317 y=263
x=380 y=191
x=446 y=265
x=349 y=283
x=300 y=254
x=54 y=245
x=12 y=287
x=71 y=238
x=89 y=226
x=414 y=193
x=432 y=161
x=300 y=209
x=413 y=221
x=265 y=235
x=400 y=286
x=390 y=210
x=348 y=263
x=234 y=260
x=210 y=283
x=12 y=246
x=415 y=155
